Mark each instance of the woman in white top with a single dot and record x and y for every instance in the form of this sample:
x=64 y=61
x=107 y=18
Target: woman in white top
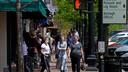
x=62 y=56
x=45 y=50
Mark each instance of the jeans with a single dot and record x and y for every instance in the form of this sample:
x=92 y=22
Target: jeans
x=45 y=63
x=28 y=64
x=75 y=64
x=26 y=69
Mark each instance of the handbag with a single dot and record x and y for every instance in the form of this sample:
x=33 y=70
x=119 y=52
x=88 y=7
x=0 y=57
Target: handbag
x=82 y=66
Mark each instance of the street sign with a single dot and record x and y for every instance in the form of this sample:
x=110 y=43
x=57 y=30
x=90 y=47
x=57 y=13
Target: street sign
x=114 y=11
x=101 y=47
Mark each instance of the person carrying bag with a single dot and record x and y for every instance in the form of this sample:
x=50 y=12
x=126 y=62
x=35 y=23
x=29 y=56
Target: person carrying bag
x=76 y=54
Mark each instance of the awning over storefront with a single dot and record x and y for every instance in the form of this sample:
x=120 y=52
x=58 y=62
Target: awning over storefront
x=27 y=6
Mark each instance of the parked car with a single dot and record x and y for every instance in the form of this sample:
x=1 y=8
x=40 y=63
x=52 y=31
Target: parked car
x=118 y=35
x=117 y=31
x=122 y=52
x=112 y=49
x=120 y=42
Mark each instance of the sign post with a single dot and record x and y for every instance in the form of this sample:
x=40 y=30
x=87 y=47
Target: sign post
x=101 y=47
x=114 y=11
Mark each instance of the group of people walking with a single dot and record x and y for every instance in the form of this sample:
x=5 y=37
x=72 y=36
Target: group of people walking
x=39 y=49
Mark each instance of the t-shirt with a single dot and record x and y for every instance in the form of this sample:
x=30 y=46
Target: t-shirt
x=46 y=48
x=77 y=46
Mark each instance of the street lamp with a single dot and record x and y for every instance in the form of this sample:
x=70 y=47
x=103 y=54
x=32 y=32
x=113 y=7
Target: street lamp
x=91 y=59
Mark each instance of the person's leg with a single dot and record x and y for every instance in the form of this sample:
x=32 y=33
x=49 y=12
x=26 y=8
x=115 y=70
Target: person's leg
x=42 y=69
x=25 y=64
x=65 y=66
x=47 y=64
x=43 y=63
x=73 y=64
x=78 y=65
x=57 y=62
x=57 y=59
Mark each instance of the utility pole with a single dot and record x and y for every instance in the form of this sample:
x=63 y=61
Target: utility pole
x=20 y=62
x=91 y=59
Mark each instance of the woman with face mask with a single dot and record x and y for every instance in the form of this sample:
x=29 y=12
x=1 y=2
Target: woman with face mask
x=45 y=57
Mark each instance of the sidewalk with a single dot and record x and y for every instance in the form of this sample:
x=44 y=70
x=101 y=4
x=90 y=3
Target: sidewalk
x=54 y=69
x=53 y=66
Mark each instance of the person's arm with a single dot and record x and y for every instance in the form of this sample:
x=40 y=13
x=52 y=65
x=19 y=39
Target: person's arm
x=65 y=46
x=59 y=48
x=82 y=52
x=58 y=45
x=68 y=51
x=42 y=50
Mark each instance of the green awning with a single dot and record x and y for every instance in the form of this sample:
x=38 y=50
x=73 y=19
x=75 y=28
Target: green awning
x=27 y=6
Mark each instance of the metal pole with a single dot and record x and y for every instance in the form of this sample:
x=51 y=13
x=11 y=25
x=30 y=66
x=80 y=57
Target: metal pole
x=102 y=35
x=20 y=64
x=85 y=34
x=83 y=6
x=100 y=22
x=91 y=59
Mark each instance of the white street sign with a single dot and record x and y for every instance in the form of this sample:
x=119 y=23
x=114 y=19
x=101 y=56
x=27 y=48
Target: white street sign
x=114 y=11
x=101 y=47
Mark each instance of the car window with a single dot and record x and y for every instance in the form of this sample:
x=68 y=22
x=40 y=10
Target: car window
x=126 y=42
x=120 y=39
x=114 y=39
x=120 y=34
x=122 y=42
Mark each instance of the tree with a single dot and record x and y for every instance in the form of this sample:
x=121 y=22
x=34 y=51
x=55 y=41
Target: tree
x=66 y=15
x=116 y=27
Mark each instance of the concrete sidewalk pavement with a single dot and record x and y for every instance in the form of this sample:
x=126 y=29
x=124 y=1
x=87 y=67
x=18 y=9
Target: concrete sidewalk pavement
x=54 y=69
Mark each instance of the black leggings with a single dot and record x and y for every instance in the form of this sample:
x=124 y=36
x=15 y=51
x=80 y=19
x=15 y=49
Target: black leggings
x=75 y=64
x=45 y=63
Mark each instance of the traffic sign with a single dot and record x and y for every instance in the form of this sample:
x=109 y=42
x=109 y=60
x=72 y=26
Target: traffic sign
x=114 y=11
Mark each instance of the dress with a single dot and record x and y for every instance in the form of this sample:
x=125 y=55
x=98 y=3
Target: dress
x=62 y=55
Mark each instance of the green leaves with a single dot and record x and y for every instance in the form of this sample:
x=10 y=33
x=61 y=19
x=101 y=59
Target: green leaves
x=66 y=15
x=116 y=27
